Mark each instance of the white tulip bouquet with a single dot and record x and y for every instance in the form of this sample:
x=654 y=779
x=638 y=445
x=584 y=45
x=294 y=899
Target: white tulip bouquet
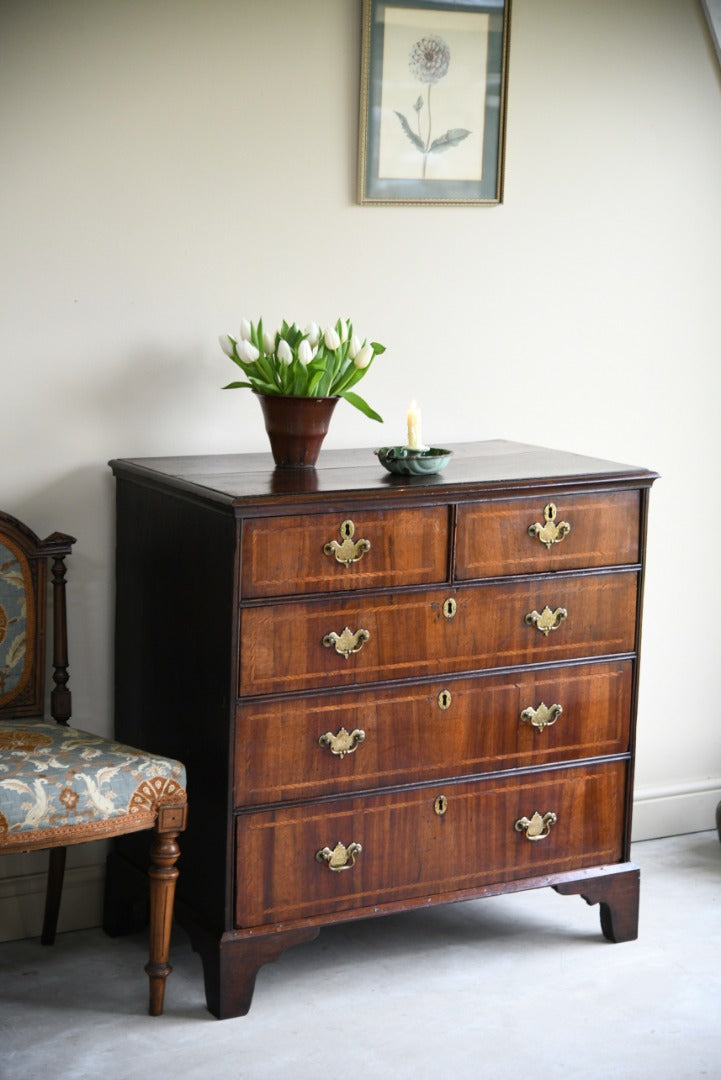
x=302 y=363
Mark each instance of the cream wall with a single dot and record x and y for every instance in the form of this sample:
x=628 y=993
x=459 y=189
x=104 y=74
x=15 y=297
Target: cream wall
x=169 y=166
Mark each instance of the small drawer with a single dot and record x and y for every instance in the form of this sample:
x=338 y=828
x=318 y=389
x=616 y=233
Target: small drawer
x=526 y=536
x=359 y=853
x=360 y=549
x=310 y=644
x=302 y=748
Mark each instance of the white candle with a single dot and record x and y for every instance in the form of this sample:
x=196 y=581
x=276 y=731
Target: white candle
x=414 y=427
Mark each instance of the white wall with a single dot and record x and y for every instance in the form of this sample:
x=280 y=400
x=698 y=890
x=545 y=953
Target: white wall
x=169 y=166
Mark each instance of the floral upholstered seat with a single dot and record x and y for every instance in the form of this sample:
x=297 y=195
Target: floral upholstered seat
x=60 y=785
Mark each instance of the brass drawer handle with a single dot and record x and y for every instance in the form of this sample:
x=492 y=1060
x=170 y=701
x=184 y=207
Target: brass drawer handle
x=349 y=550
x=344 y=742
x=346 y=642
x=536 y=827
x=340 y=857
x=550 y=532
x=548 y=620
x=542 y=717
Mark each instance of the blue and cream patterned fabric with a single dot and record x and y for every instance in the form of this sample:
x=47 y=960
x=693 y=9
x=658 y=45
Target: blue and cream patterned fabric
x=60 y=785
x=15 y=588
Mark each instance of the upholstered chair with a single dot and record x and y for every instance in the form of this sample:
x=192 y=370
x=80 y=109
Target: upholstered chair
x=60 y=785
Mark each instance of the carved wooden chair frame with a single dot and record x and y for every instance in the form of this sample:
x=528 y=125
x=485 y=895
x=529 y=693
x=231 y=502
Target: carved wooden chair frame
x=22 y=710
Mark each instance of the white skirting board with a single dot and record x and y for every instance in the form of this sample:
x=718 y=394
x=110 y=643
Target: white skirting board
x=674 y=809
x=22 y=902
x=662 y=811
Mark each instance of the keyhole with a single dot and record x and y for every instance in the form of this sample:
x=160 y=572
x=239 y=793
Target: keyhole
x=347 y=529
x=449 y=607
x=550 y=512
x=440 y=805
x=444 y=699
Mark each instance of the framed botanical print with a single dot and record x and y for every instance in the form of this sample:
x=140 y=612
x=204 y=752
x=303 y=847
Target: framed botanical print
x=712 y=10
x=433 y=101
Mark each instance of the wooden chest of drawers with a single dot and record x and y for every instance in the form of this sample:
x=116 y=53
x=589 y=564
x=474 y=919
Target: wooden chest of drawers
x=388 y=692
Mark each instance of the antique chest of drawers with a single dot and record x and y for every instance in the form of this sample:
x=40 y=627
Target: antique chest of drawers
x=388 y=692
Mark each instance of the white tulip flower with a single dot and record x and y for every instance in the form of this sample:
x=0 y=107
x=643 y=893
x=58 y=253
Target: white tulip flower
x=364 y=357
x=285 y=353
x=247 y=351
x=305 y=352
x=226 y=344
x=298 y=363
x=331 y=339
x=312 y=332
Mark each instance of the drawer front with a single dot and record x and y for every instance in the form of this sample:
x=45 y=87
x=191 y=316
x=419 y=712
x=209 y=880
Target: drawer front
x=409 y=636
x=302 y=748
x=409 y=850
x=332 y=552
x=566 y=533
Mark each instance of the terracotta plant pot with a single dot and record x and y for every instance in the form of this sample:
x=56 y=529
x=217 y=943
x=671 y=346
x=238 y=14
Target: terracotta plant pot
x=296 y=427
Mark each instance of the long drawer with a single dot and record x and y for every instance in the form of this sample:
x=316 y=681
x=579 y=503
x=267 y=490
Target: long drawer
x=299 y=748
x=398 y=846
x=333 y=552
x=297 y=646
x=527 y=536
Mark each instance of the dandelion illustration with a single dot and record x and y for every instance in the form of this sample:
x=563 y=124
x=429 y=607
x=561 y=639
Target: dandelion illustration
x=428 y=62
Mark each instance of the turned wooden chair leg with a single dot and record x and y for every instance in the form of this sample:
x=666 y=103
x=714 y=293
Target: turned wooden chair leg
x=54 y=889
x=163 y=874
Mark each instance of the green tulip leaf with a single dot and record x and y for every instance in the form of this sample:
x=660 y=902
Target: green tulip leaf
x=314 y=380
x=265 y=388
x=265 y=368
x=359 y=403
x=349 y=378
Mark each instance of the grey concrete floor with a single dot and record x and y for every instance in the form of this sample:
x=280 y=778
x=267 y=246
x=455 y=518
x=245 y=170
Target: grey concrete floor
x=511 y=986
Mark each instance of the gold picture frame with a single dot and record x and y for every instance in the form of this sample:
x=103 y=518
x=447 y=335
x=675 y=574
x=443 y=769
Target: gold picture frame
x=433 y=94
x=712 y=11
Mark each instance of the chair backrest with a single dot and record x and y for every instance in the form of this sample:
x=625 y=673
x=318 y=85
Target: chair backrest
x=24 y=561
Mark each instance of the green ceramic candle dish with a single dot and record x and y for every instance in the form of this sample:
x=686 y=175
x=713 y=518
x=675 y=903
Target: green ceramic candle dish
x=406 y=462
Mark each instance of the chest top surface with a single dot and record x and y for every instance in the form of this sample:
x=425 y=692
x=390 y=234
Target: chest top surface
x=476 y=469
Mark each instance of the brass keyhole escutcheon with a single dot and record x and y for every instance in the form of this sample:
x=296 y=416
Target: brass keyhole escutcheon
x=450 y=607
x=440 y=805
x=444 y=700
